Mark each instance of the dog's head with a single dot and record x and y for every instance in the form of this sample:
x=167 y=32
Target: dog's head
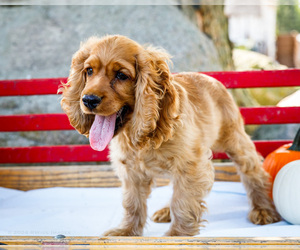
x=114 y=82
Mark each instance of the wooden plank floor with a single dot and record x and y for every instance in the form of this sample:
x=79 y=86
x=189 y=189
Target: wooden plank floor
x=149 y=243
x=35 y=177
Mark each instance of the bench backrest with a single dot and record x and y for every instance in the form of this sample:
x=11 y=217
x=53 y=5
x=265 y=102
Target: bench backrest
x=83 y=153
x=15 y=162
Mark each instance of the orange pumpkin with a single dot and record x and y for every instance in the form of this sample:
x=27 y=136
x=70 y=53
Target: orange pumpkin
x=281 y=156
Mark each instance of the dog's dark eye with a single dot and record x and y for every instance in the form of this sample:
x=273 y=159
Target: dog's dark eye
x=89 y=71
x=121 y=76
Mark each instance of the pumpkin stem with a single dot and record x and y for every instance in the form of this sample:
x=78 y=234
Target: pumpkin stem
x=296 y=143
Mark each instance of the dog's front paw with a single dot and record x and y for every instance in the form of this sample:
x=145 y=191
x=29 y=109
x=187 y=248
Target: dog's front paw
x=121 y=232
x=263 y=216
x=162 y=215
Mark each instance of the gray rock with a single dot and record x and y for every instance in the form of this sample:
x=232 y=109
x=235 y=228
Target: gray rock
x=38 y=42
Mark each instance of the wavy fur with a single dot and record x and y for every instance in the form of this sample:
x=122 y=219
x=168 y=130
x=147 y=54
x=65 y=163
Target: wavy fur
x=156 y=111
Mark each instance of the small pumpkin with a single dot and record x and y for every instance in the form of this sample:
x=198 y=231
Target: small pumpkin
x=286 y=192
x=281 y=156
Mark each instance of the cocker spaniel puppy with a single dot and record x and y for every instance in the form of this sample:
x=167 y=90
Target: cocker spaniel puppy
x=122 y=93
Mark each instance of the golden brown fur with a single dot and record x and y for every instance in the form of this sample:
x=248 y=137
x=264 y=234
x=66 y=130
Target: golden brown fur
x=173 y=123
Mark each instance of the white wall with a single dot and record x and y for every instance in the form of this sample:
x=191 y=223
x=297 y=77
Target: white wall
x=255 y=27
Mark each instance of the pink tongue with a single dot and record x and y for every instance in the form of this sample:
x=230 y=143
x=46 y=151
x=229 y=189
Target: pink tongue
x=102 y=131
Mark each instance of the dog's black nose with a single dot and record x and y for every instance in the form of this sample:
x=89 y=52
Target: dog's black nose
x=91 y=101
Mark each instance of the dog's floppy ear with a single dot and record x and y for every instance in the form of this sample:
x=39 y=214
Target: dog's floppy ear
x=156 y=107
x=71 y=91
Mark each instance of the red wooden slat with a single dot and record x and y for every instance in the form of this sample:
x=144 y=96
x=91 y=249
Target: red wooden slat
x=30 y=87
x=44 y=154
x=263 y=147
x=258 y=79
x=84 y=153
x=34 y=122
x=266 y=147
x=271 y=115
x=231 y=79
x=41 y=122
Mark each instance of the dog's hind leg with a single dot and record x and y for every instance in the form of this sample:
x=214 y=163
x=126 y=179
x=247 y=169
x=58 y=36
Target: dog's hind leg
x=241 y=150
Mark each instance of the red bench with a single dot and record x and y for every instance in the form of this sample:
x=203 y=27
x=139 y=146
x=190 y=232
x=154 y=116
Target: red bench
x=83 y=153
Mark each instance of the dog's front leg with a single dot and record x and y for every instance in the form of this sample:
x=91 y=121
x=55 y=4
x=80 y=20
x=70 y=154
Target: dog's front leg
x=136 y=189
x=191 y=183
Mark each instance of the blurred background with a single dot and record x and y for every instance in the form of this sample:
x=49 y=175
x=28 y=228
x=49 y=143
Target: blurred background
x=38 y=41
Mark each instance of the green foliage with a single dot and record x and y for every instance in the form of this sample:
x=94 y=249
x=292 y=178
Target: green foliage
x=288 y=17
